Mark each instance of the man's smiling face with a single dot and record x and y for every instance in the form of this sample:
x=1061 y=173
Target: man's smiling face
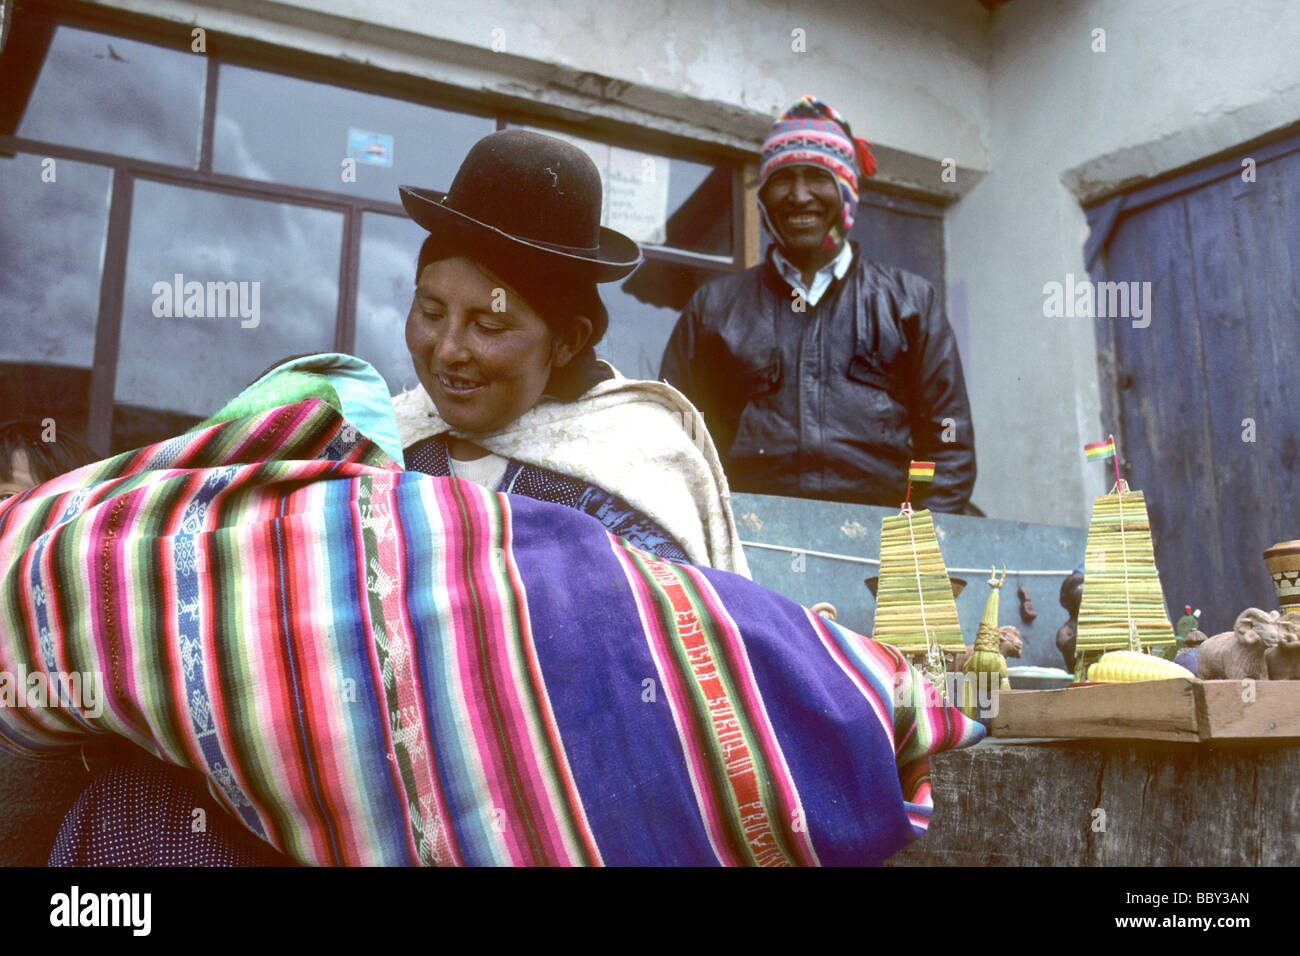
x=802 y=204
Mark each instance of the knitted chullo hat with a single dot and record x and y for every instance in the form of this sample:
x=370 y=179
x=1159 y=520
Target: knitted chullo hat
x=810 y=133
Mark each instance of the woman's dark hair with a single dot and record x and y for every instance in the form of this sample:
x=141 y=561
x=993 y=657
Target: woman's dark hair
x=45 y=459
x=558 y=297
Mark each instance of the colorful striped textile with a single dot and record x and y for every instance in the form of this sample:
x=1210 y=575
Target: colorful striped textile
x=379 y=667
x=1099 y=450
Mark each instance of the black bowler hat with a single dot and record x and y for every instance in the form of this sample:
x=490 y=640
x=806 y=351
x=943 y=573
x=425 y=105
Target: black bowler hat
x=535 y=197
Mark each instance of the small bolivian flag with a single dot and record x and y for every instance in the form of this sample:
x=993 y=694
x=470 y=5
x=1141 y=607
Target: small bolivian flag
x=921 y=471
x=1099 y=449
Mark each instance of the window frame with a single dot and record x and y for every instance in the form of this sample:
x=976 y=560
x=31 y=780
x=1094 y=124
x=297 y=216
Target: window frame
x=282 y=61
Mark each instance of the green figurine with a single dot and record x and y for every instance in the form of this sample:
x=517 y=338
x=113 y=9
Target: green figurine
x=985 y=671
x=1186 y=624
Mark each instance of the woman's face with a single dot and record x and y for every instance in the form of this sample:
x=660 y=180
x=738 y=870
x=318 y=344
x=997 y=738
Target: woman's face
x=21 y=476
x=483 y=355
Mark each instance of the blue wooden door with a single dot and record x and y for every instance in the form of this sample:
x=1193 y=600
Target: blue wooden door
x=1205 y=400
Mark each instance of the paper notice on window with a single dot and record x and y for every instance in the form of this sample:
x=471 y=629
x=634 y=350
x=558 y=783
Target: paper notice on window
x=636 y=195
x=635 y=188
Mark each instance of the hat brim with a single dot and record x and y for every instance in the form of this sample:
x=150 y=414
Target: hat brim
x=616 y=257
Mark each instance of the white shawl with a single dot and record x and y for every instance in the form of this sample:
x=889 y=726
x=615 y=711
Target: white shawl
x=642 y=441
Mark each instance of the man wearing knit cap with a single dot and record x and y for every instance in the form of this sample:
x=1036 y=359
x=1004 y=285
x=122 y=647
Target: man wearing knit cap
x=820 y=374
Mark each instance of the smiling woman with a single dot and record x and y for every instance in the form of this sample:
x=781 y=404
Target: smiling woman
x=502 y=330
x=480 y=350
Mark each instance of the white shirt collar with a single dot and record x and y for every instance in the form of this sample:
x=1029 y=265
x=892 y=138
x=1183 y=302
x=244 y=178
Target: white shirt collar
x=835 y=269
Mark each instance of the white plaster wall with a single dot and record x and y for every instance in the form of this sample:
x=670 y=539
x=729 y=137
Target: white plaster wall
x=912 y=74
x=1178 y=81
x=909 y=74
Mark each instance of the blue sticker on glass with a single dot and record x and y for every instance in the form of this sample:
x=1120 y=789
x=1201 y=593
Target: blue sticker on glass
x=373 y=148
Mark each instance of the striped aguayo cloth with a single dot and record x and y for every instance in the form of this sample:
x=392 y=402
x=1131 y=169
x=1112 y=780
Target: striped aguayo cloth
x=379 y=667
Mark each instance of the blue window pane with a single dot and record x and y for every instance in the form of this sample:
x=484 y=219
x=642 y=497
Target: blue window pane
x=283 y=129
x=699 y=208
x=258 y=279
x=103 y=92
x=52 y=226
x=390 y=246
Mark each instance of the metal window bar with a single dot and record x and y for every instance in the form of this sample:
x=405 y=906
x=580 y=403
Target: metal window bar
x=875 y=562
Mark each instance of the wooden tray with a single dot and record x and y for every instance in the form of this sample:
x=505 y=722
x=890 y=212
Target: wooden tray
x=1175 y=709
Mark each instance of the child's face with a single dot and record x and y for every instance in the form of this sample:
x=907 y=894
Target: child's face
x=21 y=476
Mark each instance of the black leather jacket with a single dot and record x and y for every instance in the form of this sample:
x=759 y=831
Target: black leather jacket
x=831 y=402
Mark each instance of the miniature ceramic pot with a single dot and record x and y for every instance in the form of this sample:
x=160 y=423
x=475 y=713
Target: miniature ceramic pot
x=1283 y=563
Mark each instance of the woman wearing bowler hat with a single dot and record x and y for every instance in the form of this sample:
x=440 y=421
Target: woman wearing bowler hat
x=502 y=331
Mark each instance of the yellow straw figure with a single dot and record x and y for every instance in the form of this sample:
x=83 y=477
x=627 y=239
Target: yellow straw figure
x=1121 y=583
x=915 y=607
x=986 y=663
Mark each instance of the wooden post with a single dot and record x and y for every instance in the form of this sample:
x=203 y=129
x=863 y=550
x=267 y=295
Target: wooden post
x=751 y=248
x=1123 y=803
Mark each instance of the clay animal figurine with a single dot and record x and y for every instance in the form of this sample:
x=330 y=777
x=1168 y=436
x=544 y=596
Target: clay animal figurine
x=1010 y=645
x=1191 y=651
x=1027 y=611
x=1283 y=660
x=1239 y=654
x=1067 y=634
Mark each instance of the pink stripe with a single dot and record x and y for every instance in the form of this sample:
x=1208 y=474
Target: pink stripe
x=276 y=426
x=573 y=807
x=752 y=700
x=411 y=687
x=825 y=140
x=119 y=662
x=900 y=744
x=376 y=674
x=321 y=701
x=262 y=587
x=504 y=681
x=392 y=569
x=485 y=748
x=838 y=141
x=882 y=710
x=706 y=798
x=516 y=711
x=97 y=623
x=357 y=838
